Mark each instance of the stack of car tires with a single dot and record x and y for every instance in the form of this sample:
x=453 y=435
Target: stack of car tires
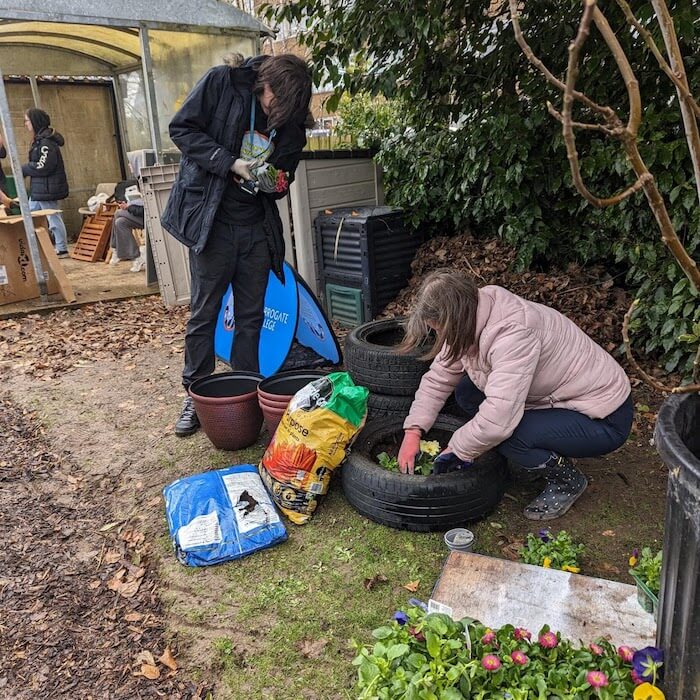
x=411 y=502
x=373 y=361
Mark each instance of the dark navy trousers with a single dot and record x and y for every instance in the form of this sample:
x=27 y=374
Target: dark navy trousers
x=554 y=430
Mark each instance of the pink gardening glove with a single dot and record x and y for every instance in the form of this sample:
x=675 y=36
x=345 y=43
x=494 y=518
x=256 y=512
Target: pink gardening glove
x=410 y=447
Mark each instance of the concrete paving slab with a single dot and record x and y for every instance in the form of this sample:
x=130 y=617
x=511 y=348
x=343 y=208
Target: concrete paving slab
x=498 y=592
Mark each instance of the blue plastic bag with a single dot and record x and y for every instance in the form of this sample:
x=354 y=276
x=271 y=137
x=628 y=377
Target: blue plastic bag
x=221 y=515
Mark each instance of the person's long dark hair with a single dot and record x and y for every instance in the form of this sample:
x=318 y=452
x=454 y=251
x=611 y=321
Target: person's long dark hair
x=39 y=119
x=289 y=78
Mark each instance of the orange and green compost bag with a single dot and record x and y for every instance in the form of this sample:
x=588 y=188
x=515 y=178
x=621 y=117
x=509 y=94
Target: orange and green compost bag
x=311 y=440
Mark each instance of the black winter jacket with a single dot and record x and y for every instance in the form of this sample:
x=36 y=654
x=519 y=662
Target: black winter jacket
x=3 y=179
x=45 y=168
x=208 y=129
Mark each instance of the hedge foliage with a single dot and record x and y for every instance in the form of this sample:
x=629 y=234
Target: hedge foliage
x=471 y=144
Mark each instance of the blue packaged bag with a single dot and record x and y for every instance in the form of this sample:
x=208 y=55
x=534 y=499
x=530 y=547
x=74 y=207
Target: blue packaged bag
x=221 y=515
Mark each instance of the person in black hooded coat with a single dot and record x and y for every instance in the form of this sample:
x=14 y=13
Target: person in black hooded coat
x=241 y=132
x=48 y=182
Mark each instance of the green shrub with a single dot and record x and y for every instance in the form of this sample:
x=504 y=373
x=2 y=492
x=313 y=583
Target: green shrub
x=483 y=153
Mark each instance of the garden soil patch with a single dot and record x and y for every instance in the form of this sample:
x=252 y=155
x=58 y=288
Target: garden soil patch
x=90 y=594
x=79 y=608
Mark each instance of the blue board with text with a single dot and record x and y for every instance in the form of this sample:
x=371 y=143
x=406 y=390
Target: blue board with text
x=292 y=313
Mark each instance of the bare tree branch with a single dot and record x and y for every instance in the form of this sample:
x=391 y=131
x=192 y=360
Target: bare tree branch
x=608 y=113
x=656 y=201
x=687 y=389
x=609 y=131
x=627 y=134
x=690 y=122
x=590 y=12
x=682 y=87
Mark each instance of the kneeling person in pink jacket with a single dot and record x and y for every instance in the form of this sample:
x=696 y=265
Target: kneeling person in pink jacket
x=535 y=386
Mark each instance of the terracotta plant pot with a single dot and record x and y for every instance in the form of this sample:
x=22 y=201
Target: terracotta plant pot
x=275 y=393
x=227 y=407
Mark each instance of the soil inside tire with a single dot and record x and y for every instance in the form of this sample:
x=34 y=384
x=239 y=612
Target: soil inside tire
x=391 y=445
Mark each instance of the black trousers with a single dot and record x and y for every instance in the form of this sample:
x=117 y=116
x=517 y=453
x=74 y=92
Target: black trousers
x=238 y=255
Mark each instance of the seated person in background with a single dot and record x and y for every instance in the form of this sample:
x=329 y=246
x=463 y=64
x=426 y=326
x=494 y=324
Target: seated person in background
x=128 y=217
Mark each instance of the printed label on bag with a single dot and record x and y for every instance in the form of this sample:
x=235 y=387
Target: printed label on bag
x=4 y=279
x=202 y=531
x=251 y=504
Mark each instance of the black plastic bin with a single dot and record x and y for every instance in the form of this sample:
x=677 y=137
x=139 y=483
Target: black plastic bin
x=677 y=437
x=368 y=249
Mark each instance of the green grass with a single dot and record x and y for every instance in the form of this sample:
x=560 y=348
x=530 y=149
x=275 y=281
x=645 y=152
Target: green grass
x=311 y=588
x=266 y=609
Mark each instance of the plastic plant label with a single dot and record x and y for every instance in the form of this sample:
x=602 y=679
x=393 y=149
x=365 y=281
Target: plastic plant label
x=435 y=607
x=4 y=279
x=202 y=531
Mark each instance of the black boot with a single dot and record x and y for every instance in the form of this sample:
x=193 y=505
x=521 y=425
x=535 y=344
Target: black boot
x=565 y=484
x=187 y=423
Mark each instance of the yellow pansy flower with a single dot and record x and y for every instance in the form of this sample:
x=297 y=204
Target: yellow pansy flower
x=633 y=561
x=647 y=691
x=572 y=569
x=430 y=447
x=547 y=563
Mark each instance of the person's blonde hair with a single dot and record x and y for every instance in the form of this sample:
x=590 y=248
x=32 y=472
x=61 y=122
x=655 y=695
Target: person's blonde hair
x=446 y=304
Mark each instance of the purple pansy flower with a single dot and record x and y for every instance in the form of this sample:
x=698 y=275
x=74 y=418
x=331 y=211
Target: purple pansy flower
x=545 y=535
x=401 y=617
x=647 y=662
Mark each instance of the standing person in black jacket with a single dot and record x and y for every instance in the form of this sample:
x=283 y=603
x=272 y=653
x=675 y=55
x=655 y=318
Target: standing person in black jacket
x=48 y=182
x=241 y=132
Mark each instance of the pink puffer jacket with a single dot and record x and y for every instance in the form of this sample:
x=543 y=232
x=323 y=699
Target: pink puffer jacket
x=526 y=356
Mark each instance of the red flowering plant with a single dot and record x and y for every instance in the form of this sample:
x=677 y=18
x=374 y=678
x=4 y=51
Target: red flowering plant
x=420 y=656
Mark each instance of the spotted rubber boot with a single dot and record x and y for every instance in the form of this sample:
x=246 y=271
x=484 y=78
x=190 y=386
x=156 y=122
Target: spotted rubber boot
x=565 y=484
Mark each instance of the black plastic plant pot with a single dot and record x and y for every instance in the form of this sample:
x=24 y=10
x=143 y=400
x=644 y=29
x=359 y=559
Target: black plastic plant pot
x=288 y=383
x=226 y=385
x=677 y=437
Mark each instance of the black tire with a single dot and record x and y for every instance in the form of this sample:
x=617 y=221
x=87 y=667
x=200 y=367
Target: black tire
x=420 y=503
x=372 y=360
x=385 y=405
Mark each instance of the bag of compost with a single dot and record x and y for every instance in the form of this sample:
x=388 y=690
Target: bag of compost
x=311 y=440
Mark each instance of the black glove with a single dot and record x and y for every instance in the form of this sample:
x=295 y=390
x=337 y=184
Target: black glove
x=449 y=462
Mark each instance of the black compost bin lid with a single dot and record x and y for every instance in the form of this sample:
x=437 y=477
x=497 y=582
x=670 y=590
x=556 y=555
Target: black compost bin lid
x=359 y=215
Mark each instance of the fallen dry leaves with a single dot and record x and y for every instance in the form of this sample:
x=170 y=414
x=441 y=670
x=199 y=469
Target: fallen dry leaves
x=72 y=626
x=411 y=586
x=370 y=583
x=46 y=346
x=587 y=296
